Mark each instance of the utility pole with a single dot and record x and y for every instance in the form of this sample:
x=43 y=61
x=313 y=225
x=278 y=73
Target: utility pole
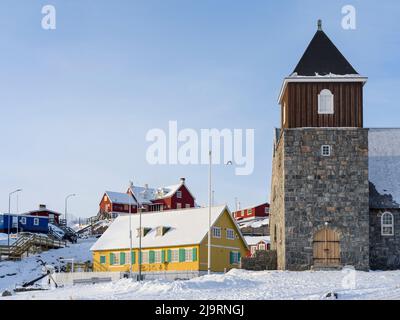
x=66 y=207
x=9 y=215
x=209 y=214
x=130 y=230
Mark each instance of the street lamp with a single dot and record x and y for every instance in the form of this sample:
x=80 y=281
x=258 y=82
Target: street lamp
x=9 y=213
x=66 y=206
x=209 y=215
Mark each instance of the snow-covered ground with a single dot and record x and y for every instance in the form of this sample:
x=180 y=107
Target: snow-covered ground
x=240 y=284
x=14 y=273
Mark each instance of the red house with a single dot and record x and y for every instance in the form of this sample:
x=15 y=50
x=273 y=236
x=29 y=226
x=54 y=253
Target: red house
x=54 y=217
x=260 y=211
x=255 y=244
x=148 y=199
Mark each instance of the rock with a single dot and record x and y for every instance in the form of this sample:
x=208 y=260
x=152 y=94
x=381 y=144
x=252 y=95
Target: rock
x=330 y=296
x=6 y=294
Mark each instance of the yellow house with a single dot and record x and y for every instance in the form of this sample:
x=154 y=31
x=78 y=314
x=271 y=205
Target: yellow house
x=171 y=241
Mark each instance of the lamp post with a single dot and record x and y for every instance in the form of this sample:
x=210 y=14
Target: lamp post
x=9 y=214
x=209 y=214
x=140 y=239
x=66 y=207
x=130 y=229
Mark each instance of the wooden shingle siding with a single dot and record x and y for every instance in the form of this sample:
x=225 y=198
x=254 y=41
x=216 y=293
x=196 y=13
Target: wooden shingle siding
x=301 y=99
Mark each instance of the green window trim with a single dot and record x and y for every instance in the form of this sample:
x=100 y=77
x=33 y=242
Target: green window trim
x=182 y=255
x=162 y=256
x=152 y=256
x=194 y=255
x=133 y=257
x=103 y=259
x=112 y=259
x=169 y=255
x=122 y=258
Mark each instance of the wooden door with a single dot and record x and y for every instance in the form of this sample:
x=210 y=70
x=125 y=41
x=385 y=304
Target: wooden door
x=326 y=247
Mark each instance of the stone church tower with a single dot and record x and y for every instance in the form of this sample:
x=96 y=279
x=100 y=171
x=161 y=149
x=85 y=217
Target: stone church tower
x=320 y=192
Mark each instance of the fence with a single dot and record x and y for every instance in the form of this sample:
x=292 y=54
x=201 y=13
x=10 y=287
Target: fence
x=73 y=278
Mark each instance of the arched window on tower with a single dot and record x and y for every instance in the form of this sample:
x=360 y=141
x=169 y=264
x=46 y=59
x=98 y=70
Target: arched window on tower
x=387 y=224
x=325 y=102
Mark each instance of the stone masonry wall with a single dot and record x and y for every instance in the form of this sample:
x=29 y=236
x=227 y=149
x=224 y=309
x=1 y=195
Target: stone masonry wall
x=319 y=190
x=277 y=217
x=384 y=250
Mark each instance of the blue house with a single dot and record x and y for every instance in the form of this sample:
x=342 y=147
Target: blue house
x=23 y=223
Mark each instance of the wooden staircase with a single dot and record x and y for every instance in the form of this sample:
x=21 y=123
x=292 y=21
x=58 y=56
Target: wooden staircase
x=28 y=241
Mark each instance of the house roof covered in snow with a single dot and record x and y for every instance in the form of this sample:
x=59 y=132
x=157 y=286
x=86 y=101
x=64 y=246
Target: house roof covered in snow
x=120 y=197
x=253 y=222
x=186 y=227
x=322 y=57
x=252 y=241
x=384 y=168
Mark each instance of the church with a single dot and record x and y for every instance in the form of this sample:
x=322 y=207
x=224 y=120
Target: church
x=335 y=187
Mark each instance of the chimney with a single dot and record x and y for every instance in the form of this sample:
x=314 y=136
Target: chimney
x=183 y=180
x=42 y=206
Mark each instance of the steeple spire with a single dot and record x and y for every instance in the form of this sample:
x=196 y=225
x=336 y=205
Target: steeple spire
x=319 y=25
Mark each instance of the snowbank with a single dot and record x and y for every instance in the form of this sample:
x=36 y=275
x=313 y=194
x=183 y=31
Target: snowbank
x=15 y=273
x=240 y=284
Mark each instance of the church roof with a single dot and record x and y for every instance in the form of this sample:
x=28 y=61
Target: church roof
x=322 y=58
x=384 y=168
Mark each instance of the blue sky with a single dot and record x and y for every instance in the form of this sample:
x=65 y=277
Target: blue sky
x=77 y=102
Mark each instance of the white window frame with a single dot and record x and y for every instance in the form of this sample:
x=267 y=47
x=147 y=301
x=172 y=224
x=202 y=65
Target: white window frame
x=236 y=259
x=230 y=234
x=36 y=221
x=188 y=255
x=253 y=249
x=157 y=256
x=262 y=247
x=284 y=113
x=23 y=220
x=216 y=232
x=266 y=210
x=325 y=102
x=179 y=194
x=324 y=148
x=145 y=257
x=187 y=205
x=116 y=259
x=385 y=225
x=175 y=255
x=179 y=205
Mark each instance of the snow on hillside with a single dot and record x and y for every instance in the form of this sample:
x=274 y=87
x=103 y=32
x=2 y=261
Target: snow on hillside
x=239 y=284
x=14 y=273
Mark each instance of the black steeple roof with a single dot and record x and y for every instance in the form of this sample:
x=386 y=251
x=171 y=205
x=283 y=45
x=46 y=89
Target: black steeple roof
x=322 y=57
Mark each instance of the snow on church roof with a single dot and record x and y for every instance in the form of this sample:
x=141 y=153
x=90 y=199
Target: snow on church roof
x=187 y=227
x=384 y=168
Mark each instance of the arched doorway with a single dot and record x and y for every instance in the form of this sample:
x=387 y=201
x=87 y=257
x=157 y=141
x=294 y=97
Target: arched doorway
x=326 y=248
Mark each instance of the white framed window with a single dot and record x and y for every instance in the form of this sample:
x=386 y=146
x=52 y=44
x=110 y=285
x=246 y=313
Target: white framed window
x=387 y=224
x=188 y=254
x=325 y=102
x=115 y=258
x=175 y=255
x=253 y=249
x=179 y=205
x=187 y=205
x=230 y=234
x=179 y=194
x=261 y=247
x=326 y=150
x=235 y=257
x=23 y=220
x=36 y=221
x=249 y=212
x=145 y=256
x=216 y=232
x=157 y=256
x=266 y=210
